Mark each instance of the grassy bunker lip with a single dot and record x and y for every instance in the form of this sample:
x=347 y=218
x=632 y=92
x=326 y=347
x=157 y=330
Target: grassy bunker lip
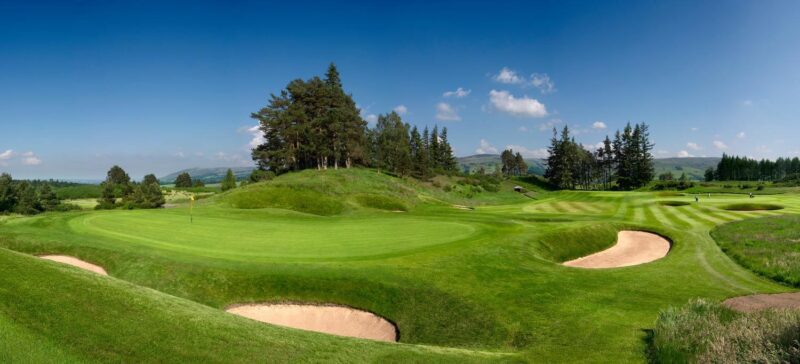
x=752 y=207
x=633 y=247
x=324 y=318
x=674 y=203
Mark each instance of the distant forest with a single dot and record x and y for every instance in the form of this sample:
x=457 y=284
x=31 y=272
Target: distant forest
x=315 y=124
x=735 y=168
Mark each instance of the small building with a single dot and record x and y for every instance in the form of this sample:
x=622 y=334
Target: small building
x=519 y=189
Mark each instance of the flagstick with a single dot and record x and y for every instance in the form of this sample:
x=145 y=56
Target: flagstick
x=191 y=210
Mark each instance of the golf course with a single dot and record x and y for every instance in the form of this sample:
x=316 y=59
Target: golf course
x=478 y=284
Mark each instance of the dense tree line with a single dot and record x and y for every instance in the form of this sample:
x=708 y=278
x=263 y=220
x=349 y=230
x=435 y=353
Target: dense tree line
x=735 y=168
x=119 y=191
x=27 y=198
x=315 y=124
x=624 y=163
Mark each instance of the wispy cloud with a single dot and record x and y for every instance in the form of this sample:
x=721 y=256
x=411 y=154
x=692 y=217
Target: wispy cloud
x=485 y=148
x=543 y=83
x=523 y=129
x=684 y=154
x=371 y=118
x=720 y=145
x=548 y=126
x=538 y=153
x=693 y=146
x=523 y=106
x=30 y=159
x=508 y=76
x=458 y=93
x=741 y=135
x=446 y=112
x=400 y=109
x=599 y=125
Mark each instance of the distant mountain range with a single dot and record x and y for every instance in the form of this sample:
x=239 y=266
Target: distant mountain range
x=209 y=175
x=693 y=167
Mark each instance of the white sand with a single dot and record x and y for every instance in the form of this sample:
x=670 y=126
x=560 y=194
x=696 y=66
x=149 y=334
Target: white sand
x=75 y=262
x=336 y=320
x=632 y=248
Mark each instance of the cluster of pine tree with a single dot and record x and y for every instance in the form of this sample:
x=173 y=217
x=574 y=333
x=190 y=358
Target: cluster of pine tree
x=624 y=163
x=400 y=148
x=118 y=185
x=735 y=168
x=315 y=124
x=513 y=164
x=26 y=198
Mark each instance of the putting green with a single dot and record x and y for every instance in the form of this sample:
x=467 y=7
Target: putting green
x=277 y=237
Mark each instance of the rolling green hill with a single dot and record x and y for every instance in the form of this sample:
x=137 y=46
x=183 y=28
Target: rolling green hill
x=209 y=175
x=491 y=161
x=693 y=167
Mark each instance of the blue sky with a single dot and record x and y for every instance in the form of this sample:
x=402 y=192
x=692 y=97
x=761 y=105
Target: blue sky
x=160 y=86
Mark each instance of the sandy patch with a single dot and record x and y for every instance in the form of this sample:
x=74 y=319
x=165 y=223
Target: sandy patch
x=763 y=301
x=462 y=207
x=632 y=248
x=75 y=262
x=336 y=320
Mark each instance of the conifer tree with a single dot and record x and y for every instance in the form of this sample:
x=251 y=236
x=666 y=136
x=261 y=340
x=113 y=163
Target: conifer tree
x=229 y=182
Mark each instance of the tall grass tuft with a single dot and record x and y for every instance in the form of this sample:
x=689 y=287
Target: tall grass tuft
x=705 y=332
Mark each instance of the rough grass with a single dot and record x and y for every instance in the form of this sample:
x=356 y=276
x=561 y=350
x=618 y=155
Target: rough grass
x=381 y=202
x=704 y=332
x=769 y=246
x=78 y=192
x=673 y=203
x=752 y=207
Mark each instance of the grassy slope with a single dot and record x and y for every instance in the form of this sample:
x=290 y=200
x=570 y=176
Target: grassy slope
x=496 y=289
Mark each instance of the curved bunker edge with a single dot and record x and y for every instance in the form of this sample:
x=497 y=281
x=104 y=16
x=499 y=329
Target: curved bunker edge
x=627 y=251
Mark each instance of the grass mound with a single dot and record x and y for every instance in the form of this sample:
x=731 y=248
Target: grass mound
x=566 y=244
x=330 y=192
x=670 y=194
x=381 y=202
x=673 y=203
x=703 y=332
x=769 y=246
x=752 y=207
x=298 y=199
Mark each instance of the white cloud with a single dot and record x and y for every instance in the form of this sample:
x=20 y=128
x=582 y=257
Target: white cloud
x=30 y=159
x=747 y=103
x=741 y=135
x=508 y=76
x=523 y=129
x=543 y=83
x=446 y=112
x=257 y=136
x=549 y=125
x=694 y=129
x=599 y=125
x=371 y=118
x=593 y=147
x=458 y=93
x=400 y=109
x=6 y=155
x=529 y=153
x=486 y=148
x=524 y=106
x=684 y=154
x=720 y=145
x=693 y=146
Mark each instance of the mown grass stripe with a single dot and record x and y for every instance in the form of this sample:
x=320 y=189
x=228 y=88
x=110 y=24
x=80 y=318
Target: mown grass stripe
x=677 y=217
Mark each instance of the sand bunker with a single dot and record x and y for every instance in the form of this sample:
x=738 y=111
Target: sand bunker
x=336 y=320
x=75 y=262
x=632 y=248
x=763 y=301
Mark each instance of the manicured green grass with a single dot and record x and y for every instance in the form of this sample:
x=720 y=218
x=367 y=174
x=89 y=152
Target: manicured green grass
x=486 y=279
x=769 y=246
